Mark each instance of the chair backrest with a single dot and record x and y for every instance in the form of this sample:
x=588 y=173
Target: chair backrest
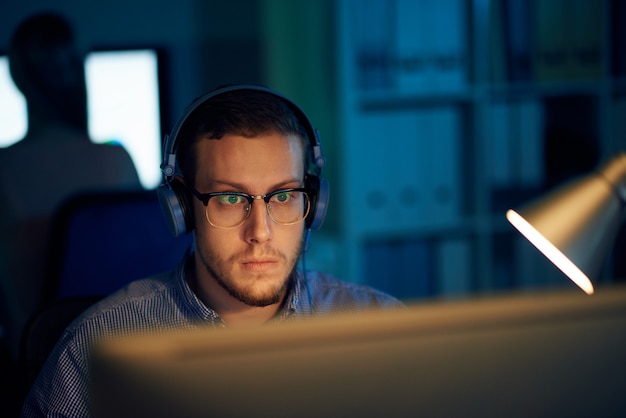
x=103 y=240
x=42 y=332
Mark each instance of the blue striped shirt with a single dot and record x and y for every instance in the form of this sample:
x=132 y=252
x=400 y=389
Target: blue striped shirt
x=163 y=303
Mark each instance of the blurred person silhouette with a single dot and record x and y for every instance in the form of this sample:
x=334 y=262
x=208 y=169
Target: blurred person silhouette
x=54 y=160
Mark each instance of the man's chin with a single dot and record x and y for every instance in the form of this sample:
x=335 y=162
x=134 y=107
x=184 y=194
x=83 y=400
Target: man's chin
x=267 y=291
x=260 y=300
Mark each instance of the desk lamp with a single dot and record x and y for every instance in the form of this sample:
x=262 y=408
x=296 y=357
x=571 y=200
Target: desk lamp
x=575 y=225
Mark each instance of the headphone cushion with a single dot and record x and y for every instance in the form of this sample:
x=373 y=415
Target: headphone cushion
x=175 y=206
x=319 y=202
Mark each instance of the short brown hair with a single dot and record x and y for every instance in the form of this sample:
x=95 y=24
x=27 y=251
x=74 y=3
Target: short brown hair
x=244 y=112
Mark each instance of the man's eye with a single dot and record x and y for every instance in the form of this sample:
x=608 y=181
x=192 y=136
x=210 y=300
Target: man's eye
x=282 y=197
x=230 y=199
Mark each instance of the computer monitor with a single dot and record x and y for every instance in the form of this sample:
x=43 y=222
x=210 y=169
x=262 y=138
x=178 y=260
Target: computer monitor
x=123 y=101
x=547 y=354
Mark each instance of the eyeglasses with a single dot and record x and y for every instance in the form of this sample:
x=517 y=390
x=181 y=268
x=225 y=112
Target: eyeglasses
x=231 y=209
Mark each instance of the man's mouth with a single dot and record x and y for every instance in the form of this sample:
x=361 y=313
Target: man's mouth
x=259 y=264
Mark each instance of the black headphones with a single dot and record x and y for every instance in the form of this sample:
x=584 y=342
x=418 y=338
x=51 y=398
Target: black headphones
x=174 y=198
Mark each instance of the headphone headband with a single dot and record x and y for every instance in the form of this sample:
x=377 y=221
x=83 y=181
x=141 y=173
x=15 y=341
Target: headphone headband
x=168 y=166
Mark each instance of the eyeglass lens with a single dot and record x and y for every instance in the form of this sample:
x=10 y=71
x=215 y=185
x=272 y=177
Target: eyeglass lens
x=283 y=207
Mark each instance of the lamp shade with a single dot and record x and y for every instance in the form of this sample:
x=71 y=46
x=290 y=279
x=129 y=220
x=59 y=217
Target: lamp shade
x=575 y=225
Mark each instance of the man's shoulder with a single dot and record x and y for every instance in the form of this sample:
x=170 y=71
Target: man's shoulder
x=129 y=304
x=328 y=290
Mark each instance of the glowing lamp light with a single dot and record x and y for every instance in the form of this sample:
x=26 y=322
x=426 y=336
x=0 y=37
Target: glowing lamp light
x=575 y=225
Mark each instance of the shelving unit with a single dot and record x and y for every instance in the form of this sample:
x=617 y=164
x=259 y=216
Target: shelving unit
x=449 y=114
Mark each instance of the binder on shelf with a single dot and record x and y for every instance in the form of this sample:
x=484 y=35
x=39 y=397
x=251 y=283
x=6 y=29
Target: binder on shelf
x=498 y=147
x=498 y=61
x=386 y=186
x=442 y=161
x=528 y=127
x=418 y=272
x=518 y=38
x=448 y=29
x=553 y=55
x=410 y=60
x=405 y=170
x=403 y=267
x=410 y=169
x=514 y=150
x=504 y=275
x=454 y=267
x=367 y=202
x=378 y=271
x=372 y=38
x=430 y=46
x=587 y=33
x=569 y=39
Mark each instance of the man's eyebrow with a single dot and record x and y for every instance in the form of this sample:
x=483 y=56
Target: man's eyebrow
x=239 y=187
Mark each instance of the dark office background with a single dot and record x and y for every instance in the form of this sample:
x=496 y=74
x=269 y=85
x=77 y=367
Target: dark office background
x=348 y=63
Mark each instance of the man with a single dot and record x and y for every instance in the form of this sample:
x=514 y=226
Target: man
x=54 y=160
x=242 y=170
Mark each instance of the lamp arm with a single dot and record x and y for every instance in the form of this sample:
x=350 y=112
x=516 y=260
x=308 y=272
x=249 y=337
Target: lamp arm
x=615 y=173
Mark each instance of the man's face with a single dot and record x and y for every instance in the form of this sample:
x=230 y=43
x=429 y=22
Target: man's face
x=250 y=263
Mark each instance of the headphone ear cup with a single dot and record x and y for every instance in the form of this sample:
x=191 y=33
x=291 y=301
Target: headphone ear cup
x=319 y=202
x=175 y=206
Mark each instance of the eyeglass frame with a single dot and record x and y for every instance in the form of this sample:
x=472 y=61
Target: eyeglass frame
x=205 y=197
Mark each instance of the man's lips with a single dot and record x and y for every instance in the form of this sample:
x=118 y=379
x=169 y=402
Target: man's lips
x=259 y=264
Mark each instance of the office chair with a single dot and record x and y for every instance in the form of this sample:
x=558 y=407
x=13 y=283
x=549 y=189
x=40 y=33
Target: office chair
x=100 y=241
x=42 y=332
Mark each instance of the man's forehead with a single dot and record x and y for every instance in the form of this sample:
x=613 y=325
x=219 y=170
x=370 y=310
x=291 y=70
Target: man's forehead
x=239 y=160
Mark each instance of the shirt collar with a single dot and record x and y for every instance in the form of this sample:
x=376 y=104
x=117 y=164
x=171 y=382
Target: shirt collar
x=194 y=304
x=298 y=303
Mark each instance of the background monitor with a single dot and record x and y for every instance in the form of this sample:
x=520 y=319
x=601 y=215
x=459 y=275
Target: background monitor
x=124 y=106
x=13 y=113
x=535 y=354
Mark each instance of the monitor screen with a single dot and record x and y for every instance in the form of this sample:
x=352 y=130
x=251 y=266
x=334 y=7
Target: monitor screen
x=13 y=113
x=124 y=106
x=544 y=354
